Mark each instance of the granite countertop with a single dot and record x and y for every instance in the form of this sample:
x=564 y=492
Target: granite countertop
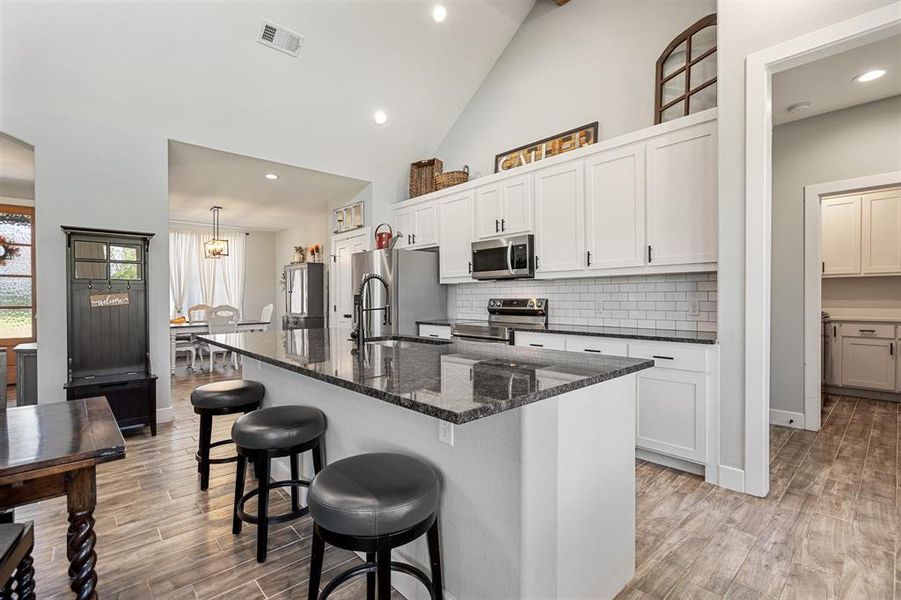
x=656 y=335
x=453 y=381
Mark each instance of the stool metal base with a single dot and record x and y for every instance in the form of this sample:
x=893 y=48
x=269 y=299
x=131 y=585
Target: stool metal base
x=282 y=518
x=377 y=571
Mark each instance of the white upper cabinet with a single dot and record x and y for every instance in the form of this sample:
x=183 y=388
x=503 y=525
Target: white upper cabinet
x=682 y=196
x=403 y=225
x=881 y=252
x=455 y=237
x=516 y=194
x=417 y=224
x=488 y=210
x=560 y=218
x=841 y=235
x=615 y=208
x=504 y=207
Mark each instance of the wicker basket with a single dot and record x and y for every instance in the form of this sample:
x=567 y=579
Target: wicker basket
x=451 y=178
x=422 y=176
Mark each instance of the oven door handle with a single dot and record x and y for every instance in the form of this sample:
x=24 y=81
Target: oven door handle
x=510 y=257
x=478 y=338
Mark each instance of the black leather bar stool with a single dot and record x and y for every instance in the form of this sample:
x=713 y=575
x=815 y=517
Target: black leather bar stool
x=221 y=398
x=372 y=503
x=265 y=434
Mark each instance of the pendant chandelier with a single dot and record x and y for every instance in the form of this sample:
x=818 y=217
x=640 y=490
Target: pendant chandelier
x=216 y=247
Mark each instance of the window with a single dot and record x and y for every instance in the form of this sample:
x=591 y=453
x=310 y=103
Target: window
x=111 y=261
x=17 y=274
x=686 y=73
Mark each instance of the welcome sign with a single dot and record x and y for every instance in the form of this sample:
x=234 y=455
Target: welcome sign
x=104 y=300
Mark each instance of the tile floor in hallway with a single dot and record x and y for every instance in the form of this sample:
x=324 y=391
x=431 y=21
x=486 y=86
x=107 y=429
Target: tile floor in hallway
x=827 y=530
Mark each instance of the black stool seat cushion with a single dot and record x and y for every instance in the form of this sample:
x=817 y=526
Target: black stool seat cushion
x=233 y=393
x=278 y=427
x=373 y=494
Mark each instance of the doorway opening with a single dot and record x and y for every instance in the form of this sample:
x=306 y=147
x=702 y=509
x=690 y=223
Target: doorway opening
x=272 y=225
x=763 y=69
x=18 y=327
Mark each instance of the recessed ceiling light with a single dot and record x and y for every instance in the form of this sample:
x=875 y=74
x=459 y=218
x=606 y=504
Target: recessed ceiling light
x=271 y=176
x=380 y=117
x=798 y=107
x=439 y=13
x=871 y=75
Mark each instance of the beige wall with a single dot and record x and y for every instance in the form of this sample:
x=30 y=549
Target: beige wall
x=862 y=292
x=744 y=27
x=858 y=141
x=259 y=272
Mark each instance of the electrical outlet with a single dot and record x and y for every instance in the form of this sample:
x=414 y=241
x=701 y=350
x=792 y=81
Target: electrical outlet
x=694 y=308
x=446 y=432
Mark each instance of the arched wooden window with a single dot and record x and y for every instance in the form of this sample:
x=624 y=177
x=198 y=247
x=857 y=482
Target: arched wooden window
x=686 y=73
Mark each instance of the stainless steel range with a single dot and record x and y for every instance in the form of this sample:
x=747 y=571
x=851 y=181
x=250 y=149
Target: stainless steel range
x=503 y=315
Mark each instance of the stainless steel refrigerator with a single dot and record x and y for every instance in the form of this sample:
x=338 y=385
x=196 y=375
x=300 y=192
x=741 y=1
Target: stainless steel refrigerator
x=413 y=290
x=304 y=296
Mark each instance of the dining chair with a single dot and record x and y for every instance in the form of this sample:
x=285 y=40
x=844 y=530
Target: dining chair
x=221 y=319
x=186 y=346
x=198 y=313
x=266 y=316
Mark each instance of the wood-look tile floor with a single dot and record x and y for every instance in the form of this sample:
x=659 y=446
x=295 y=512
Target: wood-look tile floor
x=159 y=536
x=829 y=528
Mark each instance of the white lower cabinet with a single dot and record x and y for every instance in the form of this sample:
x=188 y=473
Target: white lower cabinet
x=671 y=413
x=442 y=332
x=674 y=398
x=868 y=363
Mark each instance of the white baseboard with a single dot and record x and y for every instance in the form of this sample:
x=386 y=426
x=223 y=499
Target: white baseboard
x=732 y=478
x=787 y=418
x=165 y=415
x=669 y=461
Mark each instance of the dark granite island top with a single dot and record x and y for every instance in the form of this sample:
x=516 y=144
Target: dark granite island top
x=418 y=373
x=633 y=333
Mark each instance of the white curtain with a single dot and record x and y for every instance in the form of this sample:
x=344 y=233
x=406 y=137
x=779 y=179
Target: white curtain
x=232 y=270
x=195 y=279
x=180 y=267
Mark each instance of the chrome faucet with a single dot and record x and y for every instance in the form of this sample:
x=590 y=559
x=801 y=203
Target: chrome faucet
x=360 y=308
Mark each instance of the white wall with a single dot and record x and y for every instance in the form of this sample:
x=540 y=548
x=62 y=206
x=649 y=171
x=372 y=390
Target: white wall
x=259 y=272
x=311 y=228
x=99 y=88
x=863 y=140
x=567 y=66
x=744 y=27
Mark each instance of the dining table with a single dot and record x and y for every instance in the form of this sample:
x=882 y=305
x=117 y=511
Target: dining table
x=202 y=327
x=53 y=449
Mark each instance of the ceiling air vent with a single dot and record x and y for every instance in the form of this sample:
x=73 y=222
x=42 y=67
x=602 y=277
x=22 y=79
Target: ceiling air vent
x=280 y=38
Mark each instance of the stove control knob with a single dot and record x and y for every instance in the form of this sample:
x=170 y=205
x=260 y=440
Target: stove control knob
x=531 y=304
x=539 y=304
x=491 y=303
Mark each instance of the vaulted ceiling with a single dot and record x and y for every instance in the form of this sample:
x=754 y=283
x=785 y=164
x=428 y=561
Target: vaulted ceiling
x=193 y=71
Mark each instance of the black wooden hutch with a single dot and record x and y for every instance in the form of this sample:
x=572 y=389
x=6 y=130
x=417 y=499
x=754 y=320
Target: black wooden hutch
x=108 y=322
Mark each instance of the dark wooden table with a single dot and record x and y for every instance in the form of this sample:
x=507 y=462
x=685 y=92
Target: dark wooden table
x=51 y=450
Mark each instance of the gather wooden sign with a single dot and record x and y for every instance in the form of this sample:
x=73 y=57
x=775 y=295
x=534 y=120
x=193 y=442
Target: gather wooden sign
x=546 y=148
x=104 y=300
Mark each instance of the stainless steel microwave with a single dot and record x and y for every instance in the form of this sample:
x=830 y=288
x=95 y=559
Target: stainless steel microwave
x=504 y=258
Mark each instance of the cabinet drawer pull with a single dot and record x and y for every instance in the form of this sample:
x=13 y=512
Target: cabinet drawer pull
x=592 y=350
x=663 y=357
x=867 y=330
x=434 y=335
x=503 y=225
x=537 y=345
x=891 y=349
x=497 y=226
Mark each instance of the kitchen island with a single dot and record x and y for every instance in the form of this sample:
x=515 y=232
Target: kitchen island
x=536 y=452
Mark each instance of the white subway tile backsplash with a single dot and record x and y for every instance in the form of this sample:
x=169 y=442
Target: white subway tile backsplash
x=648 y=301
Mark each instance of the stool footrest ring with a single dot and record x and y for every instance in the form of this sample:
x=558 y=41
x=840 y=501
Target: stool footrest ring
x=281 y=518
x=218 y=461
x=369 y=567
